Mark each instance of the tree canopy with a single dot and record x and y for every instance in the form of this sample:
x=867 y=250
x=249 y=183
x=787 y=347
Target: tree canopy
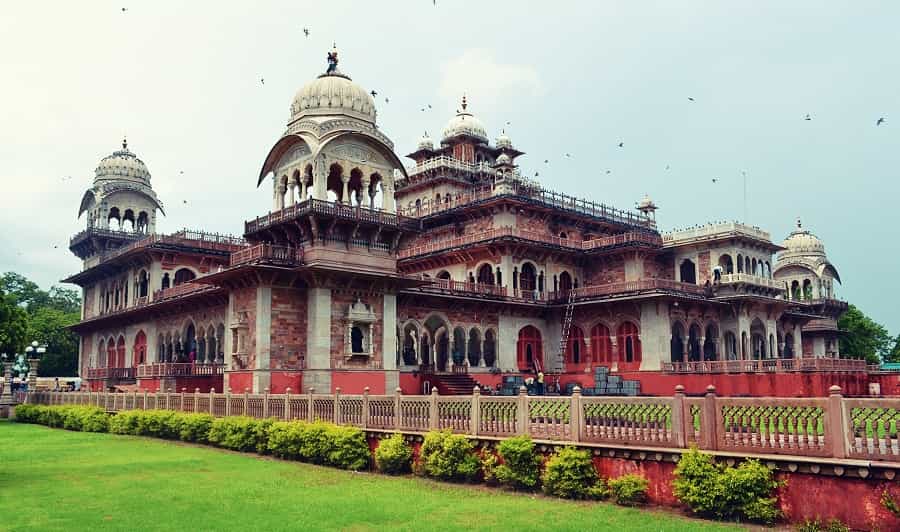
x=864 y=338
x=28 y=313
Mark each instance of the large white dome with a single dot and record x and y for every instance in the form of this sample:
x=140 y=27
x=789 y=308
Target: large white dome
x=122 y=164
x=333 y=94
x=802 y=242
x=465 y=123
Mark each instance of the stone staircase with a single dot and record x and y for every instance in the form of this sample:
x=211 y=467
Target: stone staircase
x=454 y=383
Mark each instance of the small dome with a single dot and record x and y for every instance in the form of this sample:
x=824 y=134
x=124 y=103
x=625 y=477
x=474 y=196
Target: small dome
x=646 y=203
x=465 y=123
x=503 y=140
x=122 y=164
x=802 y=242
x=504 y=159
x=425 y=143
x=333 y=93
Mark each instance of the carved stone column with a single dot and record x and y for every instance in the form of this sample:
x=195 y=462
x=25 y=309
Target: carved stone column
x=345 y=192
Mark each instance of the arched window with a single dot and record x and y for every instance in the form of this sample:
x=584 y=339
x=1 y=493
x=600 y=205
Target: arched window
x=807 y=290
x=528 y=277
x=710 y=344
x=731 y=350
x=758 y=339
x=740 y=263
x=529 y=350
x=788 y=351
x=629 y=343
x=563 y=235
x=694 y=343
x=356 y=340
x=565 y=282
x=184 y=275
x=474 y=347
x=601 y=345
x=459 y=346
x=747 y=265
x=139 y=354
x=753 y=267
x=576 y=348
x=101 y=355
x=796 y=295
x=443 y=274
x=677 y=342
x=726 y=264
x=165 y=281
x=688 y=272
x=490 y=348
x=120 y=353
x=486 y=274
x=143 y=283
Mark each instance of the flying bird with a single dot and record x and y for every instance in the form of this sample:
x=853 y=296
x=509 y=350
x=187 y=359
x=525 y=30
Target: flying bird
x=184 y=201
x=621 y=144
x=306 y=31
x=429 y=106
x=546 y=161
x=880 y=121
x=807 y=117
x=124 y=9
x=262 y=81
x=386 y=100
x=609 y=171
x=691 y=98
x=715 y=180
x=667 y=167
x=68 y=177
x=181 y=172
x=568 y=155
x=374 y=93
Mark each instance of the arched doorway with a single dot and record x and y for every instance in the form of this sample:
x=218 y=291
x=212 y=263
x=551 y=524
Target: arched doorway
x=758 y=339
x=184 y=275
x=731 y=350
x=459 y=346
x=576 y=350
x=490 y=348
x=629 y=344
x=528 y=278
x=565 y=282
x=120 y=353
x=694 y=343
x=529 y=350
x=442 y=349
x=139 y=354
x=710 y=343
x=190 y=343
x=688 y=272
x=485 y=274
x=677 y=343
x=788 y=351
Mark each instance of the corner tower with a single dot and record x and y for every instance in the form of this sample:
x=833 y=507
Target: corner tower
x=119 y=208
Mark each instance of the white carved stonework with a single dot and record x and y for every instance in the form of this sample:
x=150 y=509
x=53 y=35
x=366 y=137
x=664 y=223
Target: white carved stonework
x=360 y=319
x=293 y=158
x=355 y=153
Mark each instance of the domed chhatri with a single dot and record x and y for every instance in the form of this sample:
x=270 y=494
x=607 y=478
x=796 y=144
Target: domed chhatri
x=122 y=164
x=503 y=159
x=464 y=124
x=503 y=140
x=802 y=242
x=426 y=143
x=333 y=93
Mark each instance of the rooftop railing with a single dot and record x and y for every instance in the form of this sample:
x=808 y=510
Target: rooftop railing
x=186 y=238
x=331 y=208
x=711 y=231
x=636 y=237
x=530 y=191
x=756 y=280
x=110 y=373
x=830 y=427
x=179 y=369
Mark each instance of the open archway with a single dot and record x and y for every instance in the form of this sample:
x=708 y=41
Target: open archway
x=529 y=349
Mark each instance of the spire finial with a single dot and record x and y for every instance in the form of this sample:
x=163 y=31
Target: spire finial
x=464 y=103
x=124 y=143
x=332 y=59
x=799 y=223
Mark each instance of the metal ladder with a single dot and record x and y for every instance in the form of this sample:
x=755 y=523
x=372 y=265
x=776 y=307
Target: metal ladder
x=566 y=327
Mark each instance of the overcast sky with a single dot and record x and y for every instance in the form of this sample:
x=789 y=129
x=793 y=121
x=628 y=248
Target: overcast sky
x=182 y=81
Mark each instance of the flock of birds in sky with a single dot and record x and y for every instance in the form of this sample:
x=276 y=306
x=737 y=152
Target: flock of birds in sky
x=621 y=144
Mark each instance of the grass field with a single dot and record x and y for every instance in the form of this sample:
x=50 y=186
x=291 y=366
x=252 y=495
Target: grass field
x=58 y=480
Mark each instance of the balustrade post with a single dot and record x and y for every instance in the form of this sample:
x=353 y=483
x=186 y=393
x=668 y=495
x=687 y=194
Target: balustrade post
x=680 y=420
x=337 y=406
x=836 y=431
x=183 y=395
x=365 y=408
x=475 y=418
x=309 y=405
x=134 y=400
x=575 y=414
x=265 y=403
x=433 y=409
x=196 y=399
x=227 y=402
x=246 y=401
x=709 y=420
x=522 y=412
x=397 y=393
x=212 y=401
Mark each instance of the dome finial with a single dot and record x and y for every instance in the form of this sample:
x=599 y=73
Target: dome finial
x=799 y=223
x=124 y=143
x=464 y=103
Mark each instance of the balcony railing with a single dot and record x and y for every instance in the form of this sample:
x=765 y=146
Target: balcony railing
x=110 y=373
x=533 y=193
x=770 y=365
x=634 y=237
x=186 y=238
x=179 y=369
x=330 y=208
x=833 y=427
x=268 y=253
x=756 y=280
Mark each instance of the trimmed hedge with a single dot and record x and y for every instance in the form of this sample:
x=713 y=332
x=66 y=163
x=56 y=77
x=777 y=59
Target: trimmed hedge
x=80 y=418
x=521 y=467
x=448 y=456
x=241 y=433
x=629 y=490
x=319 y=443
x=570 y=474
x=393 y=455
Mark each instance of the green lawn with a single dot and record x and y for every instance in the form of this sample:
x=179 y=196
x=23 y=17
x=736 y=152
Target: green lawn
x=58 y=480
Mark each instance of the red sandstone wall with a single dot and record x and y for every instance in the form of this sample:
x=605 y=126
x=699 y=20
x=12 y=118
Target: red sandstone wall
x=752 y=384
x=604 y=271
x=244 y=300
x=88 y=295
x=239 y=381
x=288 y=329
x=539 y=225
x=282 y=380
x=703 y=267
x=354 y=382
x=659 y=268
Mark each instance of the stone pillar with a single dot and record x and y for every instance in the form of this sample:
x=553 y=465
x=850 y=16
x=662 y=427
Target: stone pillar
x=345 y=191
x=798 y=342
x=262 y=379
x=318 y=340
x=302 y=188
x=364 y=198
x=290 y=189
x=387 y=191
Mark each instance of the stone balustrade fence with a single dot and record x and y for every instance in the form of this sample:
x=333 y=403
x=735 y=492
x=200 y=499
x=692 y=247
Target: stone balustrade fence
x=832 y=427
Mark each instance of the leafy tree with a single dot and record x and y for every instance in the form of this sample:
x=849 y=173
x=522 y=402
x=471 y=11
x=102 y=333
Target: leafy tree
x=894 y=355
x=864 y=338
x=49 y=326
x=13 y=325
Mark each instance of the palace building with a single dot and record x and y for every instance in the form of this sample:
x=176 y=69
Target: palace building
x=451 y=271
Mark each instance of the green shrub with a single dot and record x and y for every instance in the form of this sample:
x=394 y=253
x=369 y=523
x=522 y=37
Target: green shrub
x=833 y=525
x=726 y=492
x=489 y=464
x=629 y=490
x=27 y=413
x=285 y=438
x=70 y=417
x=241 y=433
x=448 y=456
x=194 y=427
x=393 y=455
x=521 y=467
x=570 y=474
x=349 y=448
x=314 y=443
x=125 y=422
x=890 y=504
